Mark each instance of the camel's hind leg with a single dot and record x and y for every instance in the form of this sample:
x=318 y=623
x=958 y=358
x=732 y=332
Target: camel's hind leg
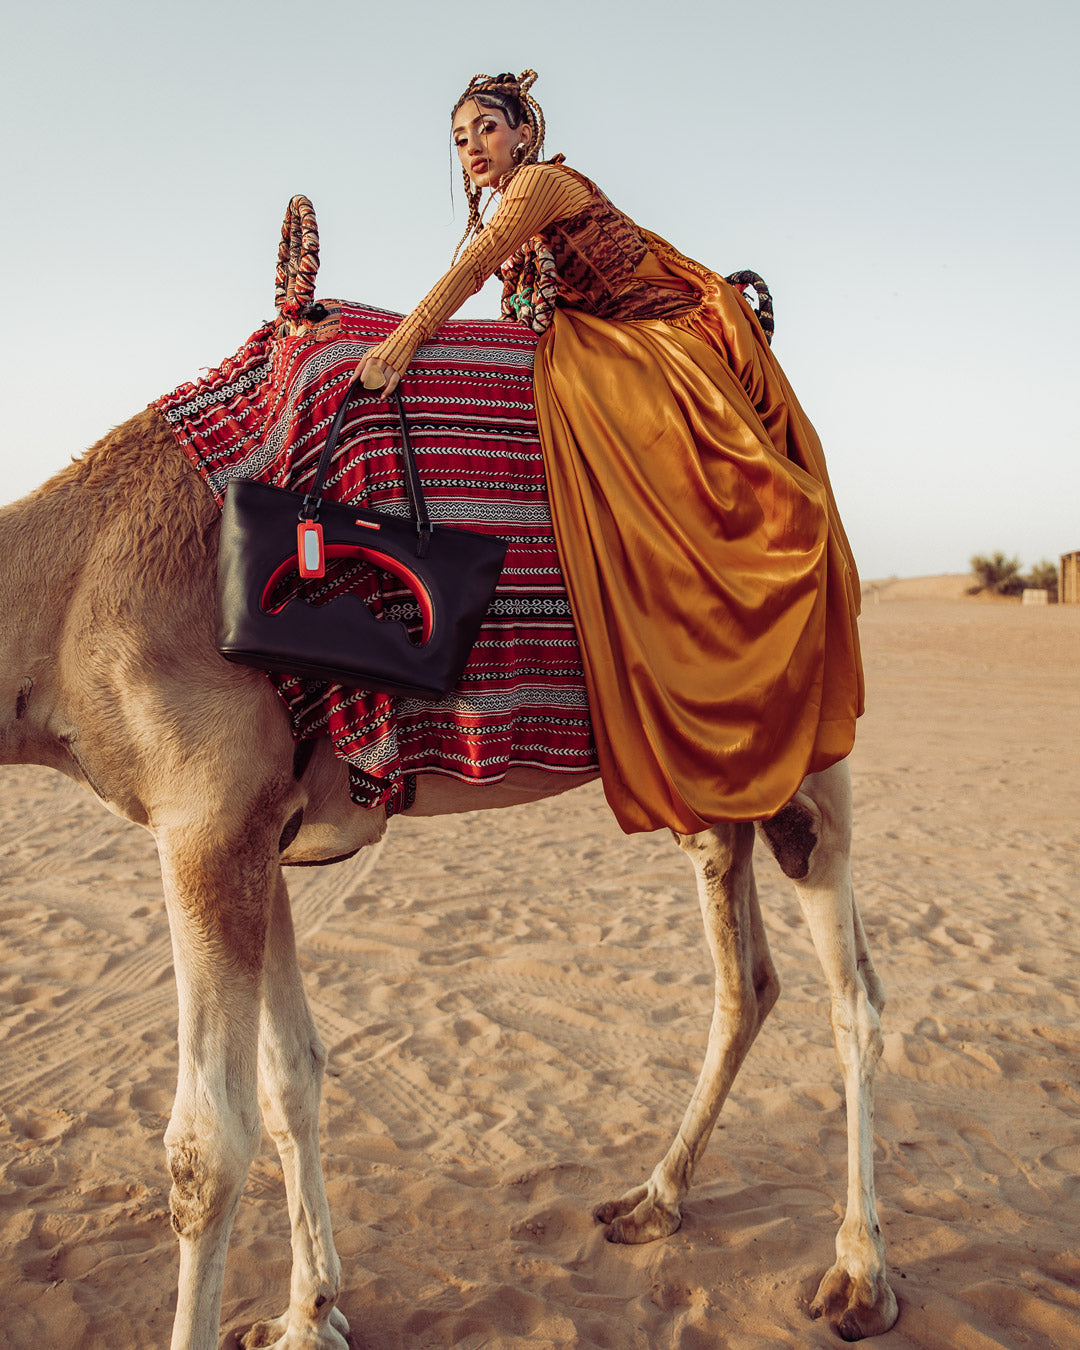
x=291 y=1063
x=746 y=988
x=855 y=1294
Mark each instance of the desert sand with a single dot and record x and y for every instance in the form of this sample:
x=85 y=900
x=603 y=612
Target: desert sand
x=516 y=1005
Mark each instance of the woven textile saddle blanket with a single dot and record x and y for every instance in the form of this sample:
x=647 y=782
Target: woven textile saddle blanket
x=265 y=414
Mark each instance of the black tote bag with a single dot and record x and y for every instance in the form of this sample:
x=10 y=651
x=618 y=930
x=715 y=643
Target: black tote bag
x=268 y=533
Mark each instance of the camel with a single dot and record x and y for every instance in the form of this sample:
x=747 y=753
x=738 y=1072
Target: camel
x=109 y=674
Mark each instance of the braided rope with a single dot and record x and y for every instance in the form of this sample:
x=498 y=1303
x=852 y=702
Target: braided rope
x=297 y=260
x=764 y=307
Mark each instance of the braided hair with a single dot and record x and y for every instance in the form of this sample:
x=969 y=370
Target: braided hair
x=509 y=94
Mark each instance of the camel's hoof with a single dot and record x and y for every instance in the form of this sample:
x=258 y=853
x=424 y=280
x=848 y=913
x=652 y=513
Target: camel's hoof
x=637 y=1216
x=614 y=1209
x=855 y=1308
x=278 y=1335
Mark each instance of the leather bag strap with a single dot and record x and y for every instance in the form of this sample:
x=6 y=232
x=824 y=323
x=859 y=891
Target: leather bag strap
x=309 y=509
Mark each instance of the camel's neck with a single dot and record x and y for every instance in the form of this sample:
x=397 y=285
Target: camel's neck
x=43 y=545
x=77 y=560
x=42 y=554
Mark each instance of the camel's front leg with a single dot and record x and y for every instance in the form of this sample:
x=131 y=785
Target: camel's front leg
x=855 y=1294
x=746 y=988
x=291 y=1062
x=217 y=917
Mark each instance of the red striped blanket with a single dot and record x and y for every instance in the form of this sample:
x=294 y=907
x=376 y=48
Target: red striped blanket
x=265 y=413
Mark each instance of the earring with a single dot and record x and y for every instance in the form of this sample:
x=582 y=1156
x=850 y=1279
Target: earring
x=518 y=152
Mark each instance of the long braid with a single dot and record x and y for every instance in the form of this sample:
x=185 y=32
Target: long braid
x=474 y=224
x=510 y=94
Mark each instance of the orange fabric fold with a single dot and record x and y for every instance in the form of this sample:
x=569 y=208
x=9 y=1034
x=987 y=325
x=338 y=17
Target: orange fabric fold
x=712 y=584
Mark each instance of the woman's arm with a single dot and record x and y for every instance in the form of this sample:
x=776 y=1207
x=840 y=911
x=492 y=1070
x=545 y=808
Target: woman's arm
x=536 y=197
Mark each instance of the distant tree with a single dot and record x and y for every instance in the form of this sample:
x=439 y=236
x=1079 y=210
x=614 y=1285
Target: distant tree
x=1043 y=577
x=998 y=575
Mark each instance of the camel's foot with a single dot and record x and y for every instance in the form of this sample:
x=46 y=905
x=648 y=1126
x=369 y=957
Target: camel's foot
x=855 y=1306
x=277 y=1334
x=638 y=1216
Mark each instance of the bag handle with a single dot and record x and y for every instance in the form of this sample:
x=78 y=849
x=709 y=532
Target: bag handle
x=309 y=509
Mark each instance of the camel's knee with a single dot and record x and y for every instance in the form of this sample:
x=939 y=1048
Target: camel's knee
x=207 y=1179
x=793 y=835
x=208 y=1161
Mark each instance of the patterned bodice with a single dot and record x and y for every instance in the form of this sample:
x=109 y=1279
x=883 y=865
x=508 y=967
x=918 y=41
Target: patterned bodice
x=588 y=262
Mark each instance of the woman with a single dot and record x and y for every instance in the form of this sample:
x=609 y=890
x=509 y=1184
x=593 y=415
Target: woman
x=712 y=584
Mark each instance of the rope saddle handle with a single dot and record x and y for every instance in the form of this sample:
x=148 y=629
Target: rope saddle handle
x=297 y=260
x=764 y=308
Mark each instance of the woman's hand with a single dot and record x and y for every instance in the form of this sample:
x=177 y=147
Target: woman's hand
x=374 y=373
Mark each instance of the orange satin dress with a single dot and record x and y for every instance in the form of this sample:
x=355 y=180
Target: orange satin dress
x=711 y=581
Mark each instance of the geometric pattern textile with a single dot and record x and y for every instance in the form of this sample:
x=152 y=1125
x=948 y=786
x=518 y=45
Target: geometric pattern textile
x=265 y=413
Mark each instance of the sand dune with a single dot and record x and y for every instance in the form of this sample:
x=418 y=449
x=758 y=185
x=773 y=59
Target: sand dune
x=516 y=1005
x=947 y=586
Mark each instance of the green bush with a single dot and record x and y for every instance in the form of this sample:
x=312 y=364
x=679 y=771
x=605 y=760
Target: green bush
x=998 y=575
x=1044 y=577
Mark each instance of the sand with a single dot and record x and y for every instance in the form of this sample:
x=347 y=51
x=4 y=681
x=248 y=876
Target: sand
x=516 y=1005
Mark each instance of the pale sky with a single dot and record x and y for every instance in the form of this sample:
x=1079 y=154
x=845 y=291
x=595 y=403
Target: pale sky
x=904 y=176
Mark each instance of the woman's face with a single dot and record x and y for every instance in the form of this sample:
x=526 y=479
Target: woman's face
x=485 y=142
